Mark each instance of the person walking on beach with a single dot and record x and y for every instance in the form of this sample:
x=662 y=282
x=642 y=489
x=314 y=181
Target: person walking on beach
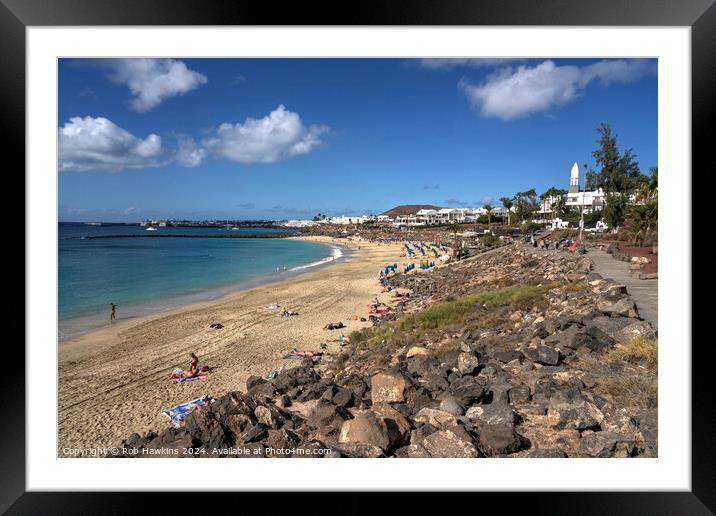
x=112 y=310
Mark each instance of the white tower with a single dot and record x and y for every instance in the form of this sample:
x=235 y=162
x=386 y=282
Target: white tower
x=574 y=179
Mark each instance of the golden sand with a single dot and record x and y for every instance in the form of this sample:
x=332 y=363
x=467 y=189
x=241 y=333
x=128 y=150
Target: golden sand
x=115 y=381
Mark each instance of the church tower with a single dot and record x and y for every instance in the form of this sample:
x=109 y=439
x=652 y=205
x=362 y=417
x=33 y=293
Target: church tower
x=574 y=179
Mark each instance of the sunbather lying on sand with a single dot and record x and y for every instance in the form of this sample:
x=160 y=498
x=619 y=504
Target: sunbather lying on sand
x=334 y=326
x=288 y=313
x=295 y=352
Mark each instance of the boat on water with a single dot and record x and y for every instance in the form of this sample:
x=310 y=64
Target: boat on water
x=151 y=229
x=234 y=228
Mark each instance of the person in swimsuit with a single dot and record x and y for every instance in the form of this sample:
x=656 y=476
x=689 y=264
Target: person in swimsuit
x=193 y=369
x=112 y=310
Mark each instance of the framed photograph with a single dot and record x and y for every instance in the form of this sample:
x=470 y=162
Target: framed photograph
x=426 y=233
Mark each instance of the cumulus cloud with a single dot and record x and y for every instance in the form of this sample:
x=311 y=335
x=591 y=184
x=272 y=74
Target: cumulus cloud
x=514 y=93
x=188 y=153
x=279 y=135
x=153 y=80
x=98 y=144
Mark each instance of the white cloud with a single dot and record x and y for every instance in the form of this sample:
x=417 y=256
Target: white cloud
x=188 y=153
x=618 y=70
x=279 y=135
x=153 y=80
x=514 y=93
x=458 y=62
x=98 y=144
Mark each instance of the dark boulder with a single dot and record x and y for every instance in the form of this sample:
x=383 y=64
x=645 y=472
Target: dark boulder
x=577 y=416
x=468 y=390
x=495 y=425
x=519 y=394
x=543 y=355
x=607 y=444
x=548 y=453
x=254 y=433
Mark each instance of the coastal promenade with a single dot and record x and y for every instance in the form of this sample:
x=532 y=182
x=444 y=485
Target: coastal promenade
x=644 y=292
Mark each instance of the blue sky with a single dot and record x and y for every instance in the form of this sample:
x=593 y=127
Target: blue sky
x=287 y=138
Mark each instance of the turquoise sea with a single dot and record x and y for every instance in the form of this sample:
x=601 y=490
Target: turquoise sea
x=149 y=275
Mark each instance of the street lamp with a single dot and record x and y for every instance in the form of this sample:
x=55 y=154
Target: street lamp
x=581 y=215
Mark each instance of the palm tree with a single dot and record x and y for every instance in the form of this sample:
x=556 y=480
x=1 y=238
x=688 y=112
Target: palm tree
x=642 y=219
x=488 y=207
x=555 y=197
x=507 y=204
x=648 y=188
x=454 y=227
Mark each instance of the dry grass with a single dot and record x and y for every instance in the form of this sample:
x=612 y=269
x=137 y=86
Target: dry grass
x=576 y=286
x=639 y=351
x=632 y=389
x=340 y=360
x=637 y=384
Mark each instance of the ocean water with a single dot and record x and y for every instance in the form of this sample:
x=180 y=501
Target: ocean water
x=149 y=275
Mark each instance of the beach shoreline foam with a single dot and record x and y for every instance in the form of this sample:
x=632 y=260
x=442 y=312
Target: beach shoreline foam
x=114 y=380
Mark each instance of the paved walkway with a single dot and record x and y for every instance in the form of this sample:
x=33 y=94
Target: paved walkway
x=643 y=292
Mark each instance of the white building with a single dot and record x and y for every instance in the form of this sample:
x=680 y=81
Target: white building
x=547 y=207
x=586 y=200
x=343 y=220
x=299 y=223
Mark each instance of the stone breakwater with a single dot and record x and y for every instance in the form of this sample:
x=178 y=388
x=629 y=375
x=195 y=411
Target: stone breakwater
x=511 y=354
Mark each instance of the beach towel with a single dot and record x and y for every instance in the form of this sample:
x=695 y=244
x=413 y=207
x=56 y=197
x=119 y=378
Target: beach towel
x=177 y=414
x=182 y=380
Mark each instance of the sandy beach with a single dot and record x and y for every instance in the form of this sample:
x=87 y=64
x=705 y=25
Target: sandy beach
x=115 y=381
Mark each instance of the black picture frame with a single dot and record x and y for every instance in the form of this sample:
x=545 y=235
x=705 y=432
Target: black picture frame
x=700 y=15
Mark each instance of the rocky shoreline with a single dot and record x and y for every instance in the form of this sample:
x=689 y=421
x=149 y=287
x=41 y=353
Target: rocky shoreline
x=512 y=353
